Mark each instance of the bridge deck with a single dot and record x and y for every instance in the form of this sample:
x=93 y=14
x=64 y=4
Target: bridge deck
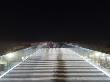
x=55 y=65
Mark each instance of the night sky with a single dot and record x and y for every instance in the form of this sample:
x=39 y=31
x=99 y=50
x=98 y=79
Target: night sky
x=57 y=21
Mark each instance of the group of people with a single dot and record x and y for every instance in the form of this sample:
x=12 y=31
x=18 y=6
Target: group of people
x=51 y=44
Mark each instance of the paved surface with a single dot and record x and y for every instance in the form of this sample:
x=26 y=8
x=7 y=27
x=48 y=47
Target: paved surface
x=55 y=65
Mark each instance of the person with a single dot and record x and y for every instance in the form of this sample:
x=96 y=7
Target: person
x=51 y=45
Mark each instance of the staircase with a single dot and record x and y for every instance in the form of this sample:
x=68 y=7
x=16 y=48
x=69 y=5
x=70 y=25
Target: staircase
x=55 y=67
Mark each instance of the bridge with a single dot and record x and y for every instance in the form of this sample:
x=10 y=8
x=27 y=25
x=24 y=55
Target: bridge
x=55 y=65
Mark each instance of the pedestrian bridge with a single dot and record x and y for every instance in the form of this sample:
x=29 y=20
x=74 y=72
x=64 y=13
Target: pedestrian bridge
x=55 y=65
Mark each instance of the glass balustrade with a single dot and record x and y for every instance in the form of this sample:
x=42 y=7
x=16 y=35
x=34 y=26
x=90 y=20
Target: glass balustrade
x=98 y=58
x=11 y=59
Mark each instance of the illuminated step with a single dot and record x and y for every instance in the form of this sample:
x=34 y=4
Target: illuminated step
x=55 y=64
x=75 y=74
x=52 y=74
x=54 y=70
x=52 y=61
x=54 y=67
x=50 y=66
x=61 y=70
x=35 y=59
x=51 y=79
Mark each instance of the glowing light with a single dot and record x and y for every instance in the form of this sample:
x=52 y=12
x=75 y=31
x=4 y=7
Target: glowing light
x=108 y=58
x=97 y=54
x=10 y=55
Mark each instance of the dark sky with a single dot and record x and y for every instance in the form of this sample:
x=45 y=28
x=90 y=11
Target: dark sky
x=81 y=20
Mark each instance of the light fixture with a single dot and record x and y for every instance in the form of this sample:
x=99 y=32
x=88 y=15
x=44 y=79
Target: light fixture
x=10 y=56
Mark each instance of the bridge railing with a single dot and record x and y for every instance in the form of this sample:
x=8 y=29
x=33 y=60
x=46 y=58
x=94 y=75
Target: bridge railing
x=11 y=59
x=98 y=58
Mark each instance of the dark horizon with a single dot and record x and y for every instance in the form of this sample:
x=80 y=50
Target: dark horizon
x=27 y=21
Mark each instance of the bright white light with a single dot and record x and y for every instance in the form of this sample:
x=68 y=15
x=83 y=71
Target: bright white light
x=108 y=58
x=9 y=56
x=97 y=54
